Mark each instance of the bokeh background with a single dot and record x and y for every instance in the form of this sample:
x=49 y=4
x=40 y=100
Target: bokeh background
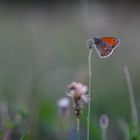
x=43 y=48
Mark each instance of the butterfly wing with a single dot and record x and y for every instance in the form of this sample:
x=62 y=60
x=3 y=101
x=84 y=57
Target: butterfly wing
x=104 y=45
x=103 y=49
x=111 y=41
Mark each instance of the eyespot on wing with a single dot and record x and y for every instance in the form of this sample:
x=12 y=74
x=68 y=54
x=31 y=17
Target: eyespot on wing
x=112 y=41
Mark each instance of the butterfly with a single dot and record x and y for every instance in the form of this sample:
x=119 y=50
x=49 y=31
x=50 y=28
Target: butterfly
x=104 y=45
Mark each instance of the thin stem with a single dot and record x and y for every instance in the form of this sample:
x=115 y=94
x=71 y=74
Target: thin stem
x=132 y=98
x=103 y=134
x=89 y=93
x=78 y=129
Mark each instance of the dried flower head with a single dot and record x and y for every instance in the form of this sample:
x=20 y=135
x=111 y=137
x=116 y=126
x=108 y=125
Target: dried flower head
x=104 y=121
x=78 y=93
x=63 y=105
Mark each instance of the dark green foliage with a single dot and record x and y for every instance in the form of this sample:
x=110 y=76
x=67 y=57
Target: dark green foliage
x=8 y=124
x=134 y=135
x=25 y=136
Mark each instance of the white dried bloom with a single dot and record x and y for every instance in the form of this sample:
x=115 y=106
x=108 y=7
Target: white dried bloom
x=63 y=105
x=78 y=90
x=64 y=102
x=78 y=93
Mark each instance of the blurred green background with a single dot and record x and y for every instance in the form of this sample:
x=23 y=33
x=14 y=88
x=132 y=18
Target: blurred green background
x=43 y=48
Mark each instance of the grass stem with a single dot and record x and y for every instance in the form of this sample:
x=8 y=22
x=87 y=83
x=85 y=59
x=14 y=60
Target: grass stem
x=78 y=129
x=89 y=93
x=132 y=98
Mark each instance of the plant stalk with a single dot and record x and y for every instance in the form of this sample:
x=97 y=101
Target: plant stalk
x=132 y=99
x=89 y=93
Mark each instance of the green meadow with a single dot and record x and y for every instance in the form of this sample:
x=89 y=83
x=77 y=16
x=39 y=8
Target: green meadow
x=43 y=48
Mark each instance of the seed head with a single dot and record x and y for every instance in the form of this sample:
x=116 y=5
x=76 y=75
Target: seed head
x=104 y=121
x=78 y=93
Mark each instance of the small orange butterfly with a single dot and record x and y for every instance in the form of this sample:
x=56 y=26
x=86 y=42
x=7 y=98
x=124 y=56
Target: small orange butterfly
x=104 y=45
